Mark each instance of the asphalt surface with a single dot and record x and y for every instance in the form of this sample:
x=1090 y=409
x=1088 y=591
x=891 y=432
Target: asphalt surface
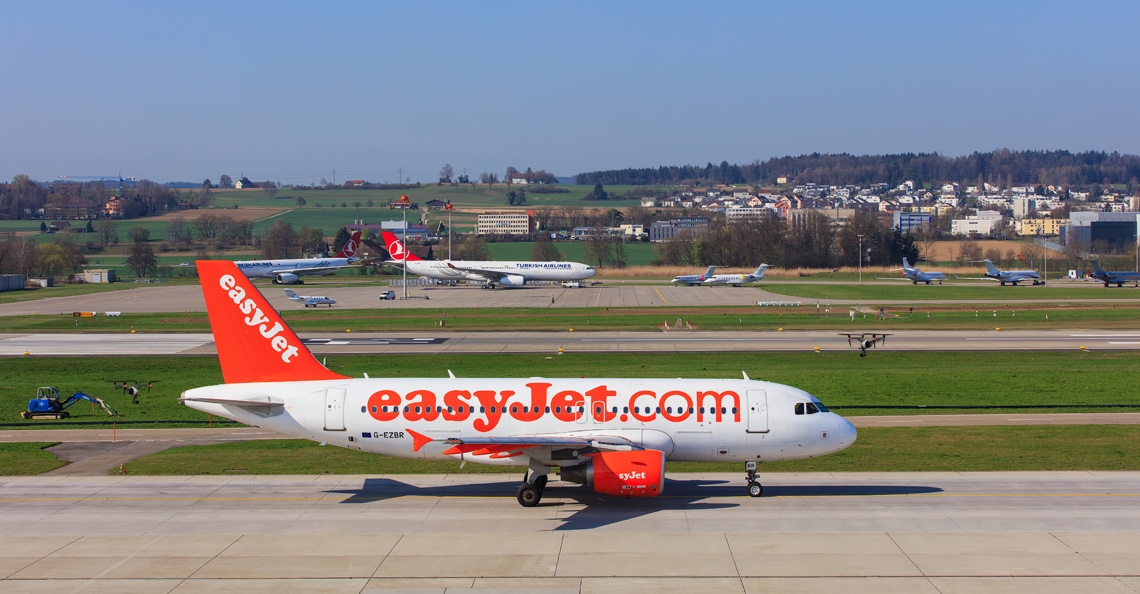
x=581 y=342
x=78 y=529
x=188 y=298
x=819 y=532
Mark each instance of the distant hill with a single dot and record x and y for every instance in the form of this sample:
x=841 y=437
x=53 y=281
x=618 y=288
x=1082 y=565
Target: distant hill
x=998 y=167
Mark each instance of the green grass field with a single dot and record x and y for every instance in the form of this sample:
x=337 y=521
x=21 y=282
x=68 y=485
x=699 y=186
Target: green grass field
x=25 y=459
x=950 y=290
x=540 y=317
x=841 y=379
x=901 y=449
x=461 y=196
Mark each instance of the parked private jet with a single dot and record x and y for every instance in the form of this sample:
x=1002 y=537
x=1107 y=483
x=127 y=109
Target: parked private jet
x=737 y=279
x=693 y=279
x=915 y=275
x=1117 y=277
x=309 y=300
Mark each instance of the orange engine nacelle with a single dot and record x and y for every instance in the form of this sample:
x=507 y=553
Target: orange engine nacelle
x=639 y=473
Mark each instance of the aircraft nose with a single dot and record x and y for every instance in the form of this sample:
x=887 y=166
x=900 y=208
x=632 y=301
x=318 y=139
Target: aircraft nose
x=847 y=432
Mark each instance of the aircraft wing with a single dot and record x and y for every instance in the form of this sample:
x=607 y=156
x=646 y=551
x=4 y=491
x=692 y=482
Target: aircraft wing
x=254 y=402
x=499 y=445
x=491 y=275
x=317 y=268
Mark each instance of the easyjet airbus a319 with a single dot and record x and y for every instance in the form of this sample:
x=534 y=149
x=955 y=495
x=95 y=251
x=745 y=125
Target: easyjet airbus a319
x=613 y=435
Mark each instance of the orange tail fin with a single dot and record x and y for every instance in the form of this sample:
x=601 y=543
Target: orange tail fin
x=349 y=249
x=254 y=344
x=396 y=248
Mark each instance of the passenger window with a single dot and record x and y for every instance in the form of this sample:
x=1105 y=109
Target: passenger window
x=625 y=409
x=548 y=410
x=373 y=409
x=514 y=409
x=799 y=408
x=557 y=409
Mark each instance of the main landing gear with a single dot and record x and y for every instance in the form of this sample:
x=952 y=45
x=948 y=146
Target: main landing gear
x=755 y=489
x=487 y=286
x=530 y=492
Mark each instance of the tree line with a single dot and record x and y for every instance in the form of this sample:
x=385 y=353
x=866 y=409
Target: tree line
x=995 y=167
x=808 y=241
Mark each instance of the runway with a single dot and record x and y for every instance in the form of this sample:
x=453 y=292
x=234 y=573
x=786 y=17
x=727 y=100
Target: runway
x=676 y=341
x=188 y=298
x=908 y=532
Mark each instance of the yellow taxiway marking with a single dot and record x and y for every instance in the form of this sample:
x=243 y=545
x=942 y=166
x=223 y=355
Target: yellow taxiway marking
x=660 y=295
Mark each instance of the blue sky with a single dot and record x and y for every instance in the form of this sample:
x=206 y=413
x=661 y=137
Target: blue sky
x=291 y=90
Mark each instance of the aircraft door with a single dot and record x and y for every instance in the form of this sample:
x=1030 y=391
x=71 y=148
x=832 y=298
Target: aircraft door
x=334 y=409
x=757 y=411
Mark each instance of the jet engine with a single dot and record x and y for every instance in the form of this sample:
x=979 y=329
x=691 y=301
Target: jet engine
x=638 y=473
x=285 y=278
x=512 y=280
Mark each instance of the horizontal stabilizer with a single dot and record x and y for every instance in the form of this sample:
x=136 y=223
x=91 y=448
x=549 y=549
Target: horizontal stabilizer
x=259 y=402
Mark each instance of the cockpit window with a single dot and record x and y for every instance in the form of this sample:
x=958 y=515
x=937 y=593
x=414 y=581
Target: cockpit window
x=799 y=408
x=811 y=409
x=821 y=407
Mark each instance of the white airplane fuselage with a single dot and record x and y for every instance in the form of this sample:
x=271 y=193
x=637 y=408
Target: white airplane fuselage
x=528 y=271
x=300 y=267
x=697 y=420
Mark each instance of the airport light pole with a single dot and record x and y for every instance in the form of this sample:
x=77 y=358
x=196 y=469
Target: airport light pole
x=1045 y=244
x=860 y=259
x=448 y=208
x=404 y=202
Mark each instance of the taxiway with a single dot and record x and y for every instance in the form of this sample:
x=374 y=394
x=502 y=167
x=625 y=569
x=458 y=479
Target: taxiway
x=906 y=532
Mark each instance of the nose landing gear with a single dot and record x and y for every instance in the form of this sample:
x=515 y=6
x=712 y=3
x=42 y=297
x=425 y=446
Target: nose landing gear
x=755 y=489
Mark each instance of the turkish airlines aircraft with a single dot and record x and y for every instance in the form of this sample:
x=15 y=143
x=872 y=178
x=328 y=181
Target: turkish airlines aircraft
x=613 y=435
x=507 y=274
x=288 y=272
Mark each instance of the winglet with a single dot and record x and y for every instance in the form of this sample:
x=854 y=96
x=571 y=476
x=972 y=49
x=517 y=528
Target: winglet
x=254 y=344
x=419 y=440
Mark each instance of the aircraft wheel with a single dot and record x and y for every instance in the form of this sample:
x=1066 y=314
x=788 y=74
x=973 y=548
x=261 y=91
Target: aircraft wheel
x=540 y=482
x=755 y=489
x=1003 y=283
x=1015 y=283
x=528 y=495
x=863 y=354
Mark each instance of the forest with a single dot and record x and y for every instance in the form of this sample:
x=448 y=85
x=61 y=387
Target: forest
x=997 y=167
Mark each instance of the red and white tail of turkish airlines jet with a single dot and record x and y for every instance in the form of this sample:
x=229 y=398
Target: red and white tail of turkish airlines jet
x=490 y=272
x=289 y=272
x=613 y=435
